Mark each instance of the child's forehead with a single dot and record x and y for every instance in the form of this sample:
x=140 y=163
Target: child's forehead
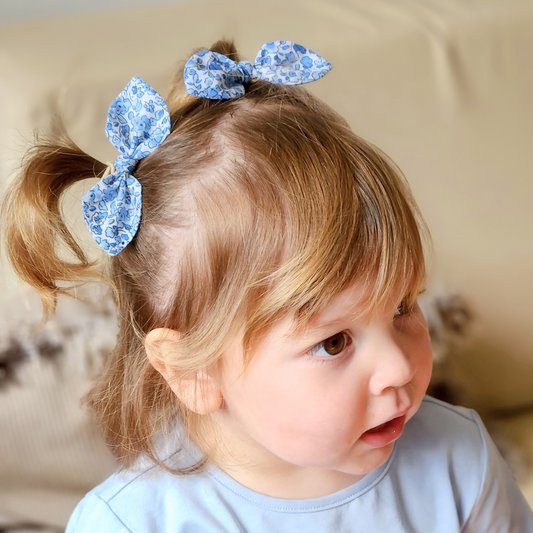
x=356 y=302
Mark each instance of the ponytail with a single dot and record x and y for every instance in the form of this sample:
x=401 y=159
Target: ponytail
x=33 y=226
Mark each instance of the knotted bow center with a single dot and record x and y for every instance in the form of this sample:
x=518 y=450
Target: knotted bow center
x=246 y=69
x=124 y=163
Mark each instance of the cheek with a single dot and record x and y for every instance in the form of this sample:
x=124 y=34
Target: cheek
x=424 y=360
x=416 y=342
x=299 y=411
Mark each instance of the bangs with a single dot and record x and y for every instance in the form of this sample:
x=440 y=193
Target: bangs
x=340 y=211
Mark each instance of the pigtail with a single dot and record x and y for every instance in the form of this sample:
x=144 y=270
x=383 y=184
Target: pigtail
x=35 y=234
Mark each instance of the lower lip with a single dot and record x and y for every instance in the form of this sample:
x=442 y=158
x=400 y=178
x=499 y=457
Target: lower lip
x=384 y=434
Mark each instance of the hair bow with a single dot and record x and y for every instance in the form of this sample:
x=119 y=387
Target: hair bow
x=138 y=121
x=215 y=76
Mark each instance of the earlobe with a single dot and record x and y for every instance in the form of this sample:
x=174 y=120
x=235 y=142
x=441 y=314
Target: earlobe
x=198 y=390
x=200 y=393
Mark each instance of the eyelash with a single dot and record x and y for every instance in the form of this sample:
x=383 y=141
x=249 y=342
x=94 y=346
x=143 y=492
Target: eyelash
x=404 y=309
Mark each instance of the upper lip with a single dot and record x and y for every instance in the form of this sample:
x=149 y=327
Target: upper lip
x=400 y=413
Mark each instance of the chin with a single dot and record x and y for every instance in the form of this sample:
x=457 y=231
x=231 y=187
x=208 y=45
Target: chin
x=364 y=464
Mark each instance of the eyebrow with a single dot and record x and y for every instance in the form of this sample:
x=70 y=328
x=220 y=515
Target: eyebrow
x=316 y=330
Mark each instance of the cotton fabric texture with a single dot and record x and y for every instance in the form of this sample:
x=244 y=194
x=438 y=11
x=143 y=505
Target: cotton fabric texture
x=214 y=76
x=445 y=475
x=138 y=121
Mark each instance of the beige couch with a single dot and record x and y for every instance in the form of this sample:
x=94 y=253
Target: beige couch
x=443 y=86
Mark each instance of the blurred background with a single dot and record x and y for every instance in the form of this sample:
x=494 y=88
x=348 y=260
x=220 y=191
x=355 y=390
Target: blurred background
x=442 y=86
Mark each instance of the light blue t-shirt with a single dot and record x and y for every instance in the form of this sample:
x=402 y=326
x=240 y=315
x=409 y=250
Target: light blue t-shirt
x=445 y=475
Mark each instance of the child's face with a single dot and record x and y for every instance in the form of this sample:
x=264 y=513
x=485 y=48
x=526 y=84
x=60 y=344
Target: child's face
x=310 y=399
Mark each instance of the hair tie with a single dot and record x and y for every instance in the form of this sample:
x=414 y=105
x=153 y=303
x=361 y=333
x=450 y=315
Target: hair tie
x=110 y=169
x=215 y=76
x=138 y=121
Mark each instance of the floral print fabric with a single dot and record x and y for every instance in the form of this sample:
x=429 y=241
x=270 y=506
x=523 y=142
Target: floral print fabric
x=215 y=76
x=138 y=121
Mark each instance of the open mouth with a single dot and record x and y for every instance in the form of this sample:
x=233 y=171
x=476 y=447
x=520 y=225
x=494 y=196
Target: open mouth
x=384 y=433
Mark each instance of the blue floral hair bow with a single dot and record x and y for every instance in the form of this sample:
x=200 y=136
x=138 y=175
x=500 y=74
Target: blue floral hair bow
x=138 y=121
x=215 y=76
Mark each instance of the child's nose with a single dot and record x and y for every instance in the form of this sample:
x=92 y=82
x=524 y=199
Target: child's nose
x=393 y=368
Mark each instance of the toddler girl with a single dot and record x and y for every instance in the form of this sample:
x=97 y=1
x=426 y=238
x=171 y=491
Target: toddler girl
x=271 y=365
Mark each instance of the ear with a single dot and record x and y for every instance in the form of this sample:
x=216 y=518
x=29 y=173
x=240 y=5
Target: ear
x=198 y=390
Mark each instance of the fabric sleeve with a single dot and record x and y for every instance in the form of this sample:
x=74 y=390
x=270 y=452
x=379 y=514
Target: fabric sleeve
x=94 y=514
x=500 y=506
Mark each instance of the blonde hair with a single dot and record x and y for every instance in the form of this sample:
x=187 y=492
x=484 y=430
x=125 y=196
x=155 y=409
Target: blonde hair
x=252 y=208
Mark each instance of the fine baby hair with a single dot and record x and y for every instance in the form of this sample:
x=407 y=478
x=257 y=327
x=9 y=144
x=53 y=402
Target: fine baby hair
x=265 y=263
x=252 y=208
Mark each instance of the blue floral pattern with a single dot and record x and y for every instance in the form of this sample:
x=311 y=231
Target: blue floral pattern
x=215 y=76
x=138 y=121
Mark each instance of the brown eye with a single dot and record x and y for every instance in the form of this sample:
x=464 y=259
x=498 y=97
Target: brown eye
x=334 y=345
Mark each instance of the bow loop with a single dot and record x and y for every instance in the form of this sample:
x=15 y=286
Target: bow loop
x=287 y=63
x=215 y=76
x=138 y=121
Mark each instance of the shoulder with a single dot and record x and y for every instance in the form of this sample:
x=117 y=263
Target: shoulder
x=102 y=506
x=438 y=425
x=142 y=500
x=447 y=438
x=447 y=453
x=446 y=447
x=94 y=510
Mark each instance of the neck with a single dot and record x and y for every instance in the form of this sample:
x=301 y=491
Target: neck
x=260 y=470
